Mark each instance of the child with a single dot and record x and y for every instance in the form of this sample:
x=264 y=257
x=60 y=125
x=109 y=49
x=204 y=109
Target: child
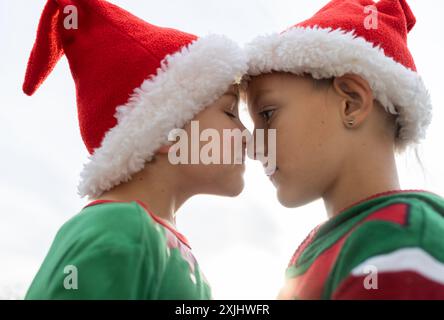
x=123 y=244
x=343 y=96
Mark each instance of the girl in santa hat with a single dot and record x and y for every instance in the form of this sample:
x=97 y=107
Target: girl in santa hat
x=343 y=94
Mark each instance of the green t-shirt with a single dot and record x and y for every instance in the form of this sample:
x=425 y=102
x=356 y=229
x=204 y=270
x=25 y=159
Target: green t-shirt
x=119 y=250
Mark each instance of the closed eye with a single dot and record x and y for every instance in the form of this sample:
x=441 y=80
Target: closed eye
x=230 y=114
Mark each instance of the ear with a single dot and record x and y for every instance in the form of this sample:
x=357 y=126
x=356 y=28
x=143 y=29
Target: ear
x=357 y=102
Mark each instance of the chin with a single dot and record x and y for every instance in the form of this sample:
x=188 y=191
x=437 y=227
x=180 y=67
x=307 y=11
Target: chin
x=232 y=187
x=236 y=189
x=287 y=203
x=291 y=198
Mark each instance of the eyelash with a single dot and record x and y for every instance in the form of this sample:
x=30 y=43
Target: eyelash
x=231 y=115
x=263 y=114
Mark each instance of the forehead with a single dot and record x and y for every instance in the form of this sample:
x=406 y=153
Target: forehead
x=255 y=82
x=230 y=96
x=233 y=90
x=266 y=83
x=260 y=85
x=275 y=82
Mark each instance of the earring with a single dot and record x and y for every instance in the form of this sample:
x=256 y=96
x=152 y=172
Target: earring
x=351 y=122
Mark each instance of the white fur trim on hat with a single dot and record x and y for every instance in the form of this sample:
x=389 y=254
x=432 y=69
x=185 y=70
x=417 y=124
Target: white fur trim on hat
x=325 y=53
x=187 y=82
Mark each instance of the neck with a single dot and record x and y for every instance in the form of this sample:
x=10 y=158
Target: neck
x=156 y=186
x=363 y=175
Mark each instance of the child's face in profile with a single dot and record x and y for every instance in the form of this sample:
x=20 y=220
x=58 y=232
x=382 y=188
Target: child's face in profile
x=310 y=140
x=206 y=142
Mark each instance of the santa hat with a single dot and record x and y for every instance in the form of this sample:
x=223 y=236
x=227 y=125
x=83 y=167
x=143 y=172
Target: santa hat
x=341 y=39
x=135 y=81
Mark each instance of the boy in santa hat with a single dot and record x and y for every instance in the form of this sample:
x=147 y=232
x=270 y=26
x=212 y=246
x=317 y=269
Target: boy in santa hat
x=135 y=83
x=343 y=94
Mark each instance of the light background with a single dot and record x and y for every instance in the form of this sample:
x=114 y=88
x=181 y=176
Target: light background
x=243 y=244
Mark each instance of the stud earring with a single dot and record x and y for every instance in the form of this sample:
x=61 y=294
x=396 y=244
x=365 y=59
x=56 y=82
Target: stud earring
x=351 y=122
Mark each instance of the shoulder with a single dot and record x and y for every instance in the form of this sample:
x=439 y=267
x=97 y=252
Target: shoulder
x=110 y=223
x=402 y=221
x=403 y=233
x=114 y=250
x=409 y=216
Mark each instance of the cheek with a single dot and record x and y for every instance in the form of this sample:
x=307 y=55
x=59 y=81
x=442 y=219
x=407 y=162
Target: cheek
x=221 y=141
x=307 y=133
x=304 y=147
x=310 y=165
x=216 y=142
x=295 y=136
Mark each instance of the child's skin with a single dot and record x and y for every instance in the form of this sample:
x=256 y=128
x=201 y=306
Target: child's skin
x=318 y=153
x=165 y=187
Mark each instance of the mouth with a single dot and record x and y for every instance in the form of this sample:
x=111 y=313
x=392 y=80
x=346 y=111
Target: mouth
x=244 y=152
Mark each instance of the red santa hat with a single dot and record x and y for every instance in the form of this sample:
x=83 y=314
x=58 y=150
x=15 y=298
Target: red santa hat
x=135 y=81
x=339 y=39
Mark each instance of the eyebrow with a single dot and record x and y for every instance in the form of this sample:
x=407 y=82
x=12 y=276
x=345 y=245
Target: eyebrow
x=230 y=93
x=259 y=95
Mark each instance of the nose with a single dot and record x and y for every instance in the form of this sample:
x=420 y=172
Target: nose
x=242 y=128
x=260 y=143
